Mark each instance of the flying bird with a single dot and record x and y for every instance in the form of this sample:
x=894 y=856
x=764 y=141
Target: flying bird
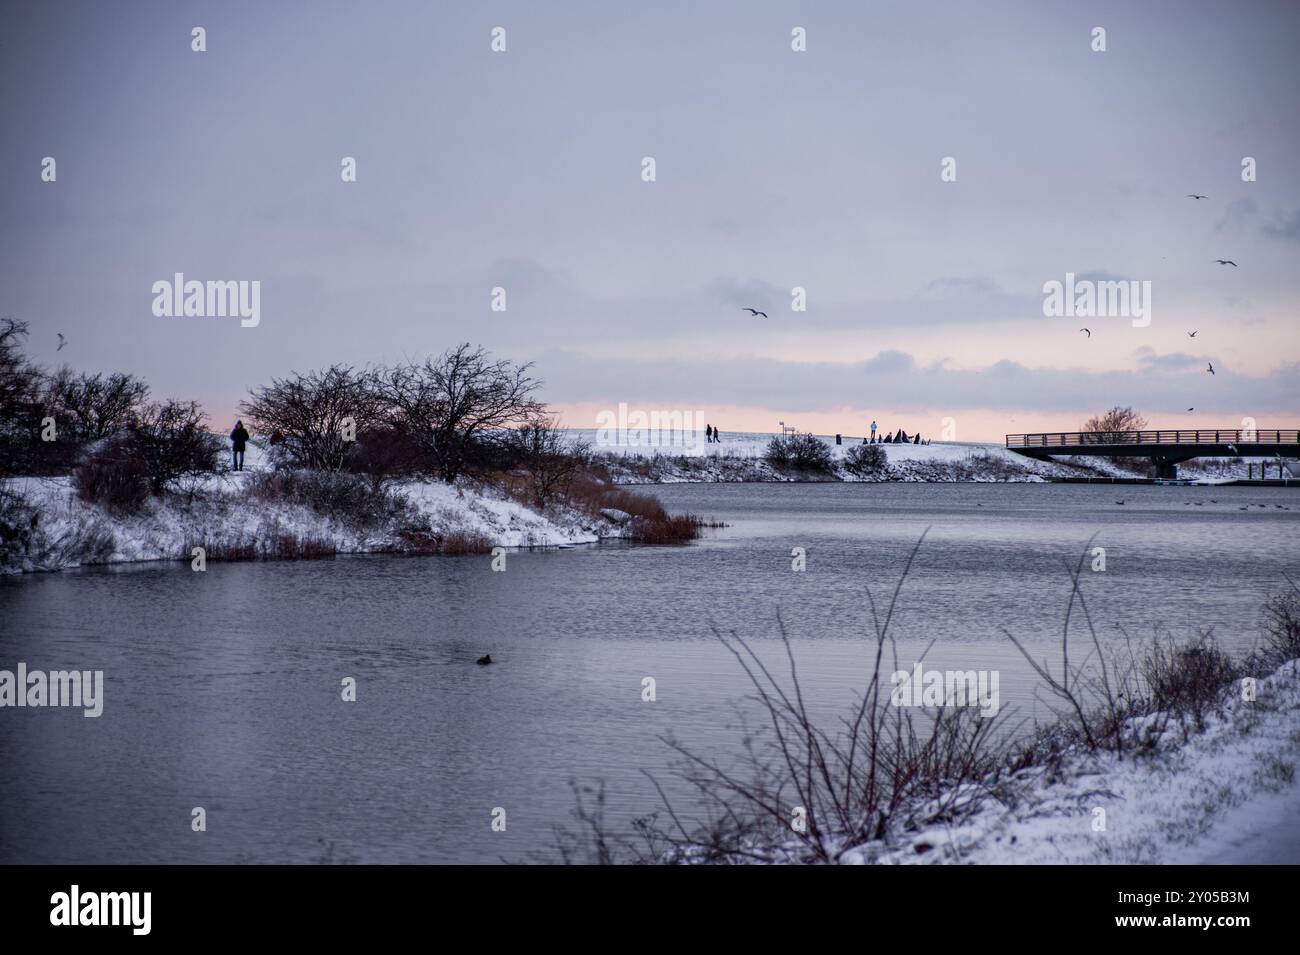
x=1226 y=262
x=1192 y=334
x=62 y=341
x=1191 y=409
x=754 y=311
x=1192 y=195
x=1209 y=366
x=1088 y=330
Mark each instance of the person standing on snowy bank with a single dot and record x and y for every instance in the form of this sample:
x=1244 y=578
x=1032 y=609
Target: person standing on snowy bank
x=238 y=441
x=873 y=433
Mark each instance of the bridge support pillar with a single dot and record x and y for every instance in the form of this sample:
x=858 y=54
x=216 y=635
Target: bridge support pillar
x=1166 y=470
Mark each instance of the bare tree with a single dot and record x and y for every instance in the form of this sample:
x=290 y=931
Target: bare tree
x=445 y=404
x=20 y=383
x=551 y=461
x=92 y=407
x=170 y=440
x=1111 y=427
x=313 y=414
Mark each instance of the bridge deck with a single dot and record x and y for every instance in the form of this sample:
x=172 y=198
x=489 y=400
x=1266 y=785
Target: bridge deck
x=1175 y=444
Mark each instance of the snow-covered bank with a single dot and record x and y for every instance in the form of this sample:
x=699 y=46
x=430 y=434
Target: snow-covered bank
x=1228 y=794
x=652 y=457
x=60 y=530
x=741 y=458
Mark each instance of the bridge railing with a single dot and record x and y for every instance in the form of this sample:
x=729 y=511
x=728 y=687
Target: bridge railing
x=1060 y=439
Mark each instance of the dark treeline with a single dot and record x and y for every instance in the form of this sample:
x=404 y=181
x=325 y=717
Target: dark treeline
x=458 y=414
x=435 y=419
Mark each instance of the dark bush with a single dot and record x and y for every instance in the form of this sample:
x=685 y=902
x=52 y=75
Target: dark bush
x=803 y=452
x=865 y=459
x=549 y=459
x=19 y=523
x=89 y=408
x=1189 y=679
x=170 y=441
x=382 y=455
x=346 y=497
x=21 y=448
x=1282 y=626
x=113 y=477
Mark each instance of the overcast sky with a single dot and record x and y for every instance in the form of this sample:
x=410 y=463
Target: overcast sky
x=775 y=169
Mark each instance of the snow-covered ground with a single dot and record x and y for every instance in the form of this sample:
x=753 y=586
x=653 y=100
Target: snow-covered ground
x=1227 y=795
x=663 y=457
x=223 y=517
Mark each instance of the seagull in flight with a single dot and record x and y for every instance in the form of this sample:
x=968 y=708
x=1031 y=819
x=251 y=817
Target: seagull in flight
x=1226 y=262
x=1191 y=409
x=1088 y=330
x=1192 y=334
x=1193 y=195
x=754 y=311
x=1209 y=366
x=62 y=341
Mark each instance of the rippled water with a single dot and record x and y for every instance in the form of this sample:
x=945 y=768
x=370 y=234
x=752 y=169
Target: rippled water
x=223 y=688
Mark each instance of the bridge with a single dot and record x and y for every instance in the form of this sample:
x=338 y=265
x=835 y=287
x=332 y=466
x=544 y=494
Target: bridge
x=1166 y=449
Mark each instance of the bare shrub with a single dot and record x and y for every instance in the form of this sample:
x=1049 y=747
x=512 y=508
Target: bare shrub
x=290 y=546
x=113 y=477
x=803 y=452
x=345 y=497
x=549 y=461
x=19 y=530
x=88 y=542
x=20 y=404
x=877 y=773
x=851 y=777
x=223 y=550
x=865 y=460
x=1188 y=680
x=464 y=543
x=1111 y=681
x=1282 y=625
x=650 y=524
x=171 y=442
x=308 y=412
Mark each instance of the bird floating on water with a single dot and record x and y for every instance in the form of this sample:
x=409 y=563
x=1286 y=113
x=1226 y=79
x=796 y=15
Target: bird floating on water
x=484 y=660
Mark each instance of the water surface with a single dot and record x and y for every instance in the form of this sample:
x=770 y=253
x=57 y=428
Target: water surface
x=223 y=688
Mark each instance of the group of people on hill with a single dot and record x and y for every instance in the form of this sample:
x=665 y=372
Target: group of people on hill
x=898 y=437
x=712 y=434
